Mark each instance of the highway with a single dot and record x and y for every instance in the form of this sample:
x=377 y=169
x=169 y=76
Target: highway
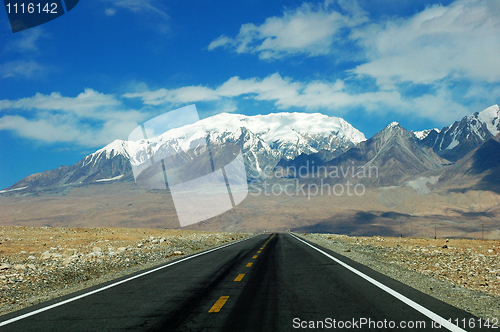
x=271 y=282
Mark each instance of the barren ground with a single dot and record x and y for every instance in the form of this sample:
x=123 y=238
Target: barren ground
x=462 y=272
x=40 y=263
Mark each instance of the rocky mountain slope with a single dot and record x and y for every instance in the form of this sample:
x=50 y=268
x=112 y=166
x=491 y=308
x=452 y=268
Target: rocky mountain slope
x=479 y=169
x=310 y=140
x=263 y=139
x=455 y=141
x=388 y=157
x=104 y=165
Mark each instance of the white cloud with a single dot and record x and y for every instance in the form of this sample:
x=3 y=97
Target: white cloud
x=452 y=50
x=83 y=104
x=221 y=42
x=110 y=11
x=26 y=41
x=152 y=14
x=284 y=92
x=90 y=119
x=53 y=130
x=310 y=30
x=439 y=45
x=440 y=107
x=137 y=6
x=24 y=68
x=186 y=94
x=93 y=119
x=40 y=129
x=459 y=41
x=326 y=96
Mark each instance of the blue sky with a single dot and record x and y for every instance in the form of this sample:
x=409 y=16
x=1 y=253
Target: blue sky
x=75 y=84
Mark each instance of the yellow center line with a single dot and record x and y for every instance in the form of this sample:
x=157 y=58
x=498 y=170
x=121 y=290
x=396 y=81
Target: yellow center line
x=255 y=256
x=262 y=248
x=258 y=252
x=218 y=305
x=239 y=277
x=249 y=264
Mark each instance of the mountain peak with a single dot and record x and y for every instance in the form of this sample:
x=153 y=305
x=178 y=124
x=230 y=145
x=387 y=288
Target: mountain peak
x=284 y=126
x=491 y=117
x=281 y=134
x=115 y=148
x=461 y=137
x=393 y=132
x=118 y=146
x=393 y=124
x=424 y=133
x=395 y=152
x=263 y=139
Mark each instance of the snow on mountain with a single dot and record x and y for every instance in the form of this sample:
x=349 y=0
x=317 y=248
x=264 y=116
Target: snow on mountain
x=274 y=135
x=264 y=140
x=288 y=127
x=455 y=141
x=393 y=124
x=424 y=133
x=394 y=152
x=117 y=147
x=491 y=117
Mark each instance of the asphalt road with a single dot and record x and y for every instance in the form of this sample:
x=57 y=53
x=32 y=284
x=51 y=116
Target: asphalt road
x=272 y=282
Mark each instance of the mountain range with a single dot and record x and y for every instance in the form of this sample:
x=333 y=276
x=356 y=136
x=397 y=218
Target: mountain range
x=446 y=177
x=264 y=140
x=299 y=139
x=455 y=141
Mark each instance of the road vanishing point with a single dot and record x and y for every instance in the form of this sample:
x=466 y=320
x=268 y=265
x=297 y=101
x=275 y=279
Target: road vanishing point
x=269 y=282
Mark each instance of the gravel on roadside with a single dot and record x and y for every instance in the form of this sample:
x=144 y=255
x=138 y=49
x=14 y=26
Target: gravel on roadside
x=41 y=263
x=461 y=272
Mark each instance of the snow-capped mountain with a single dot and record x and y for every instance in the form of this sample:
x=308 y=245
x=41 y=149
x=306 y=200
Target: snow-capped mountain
x=455 y=141
x=394 y=152
x=424 y=133
x=97 y=167
x=491 y=117
x=263 y=139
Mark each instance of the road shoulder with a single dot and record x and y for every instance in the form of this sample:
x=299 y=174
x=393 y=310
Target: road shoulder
x=477 y=303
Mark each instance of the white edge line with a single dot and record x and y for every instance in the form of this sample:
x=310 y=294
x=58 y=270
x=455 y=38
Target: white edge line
x=15 y=319
x=435 y=317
